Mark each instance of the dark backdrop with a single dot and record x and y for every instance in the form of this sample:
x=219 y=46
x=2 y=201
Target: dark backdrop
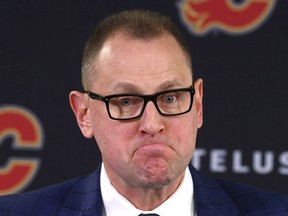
x=244 y=136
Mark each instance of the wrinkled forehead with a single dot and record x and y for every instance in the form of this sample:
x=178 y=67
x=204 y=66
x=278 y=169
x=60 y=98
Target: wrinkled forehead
x=141 y=63
x=120 y=51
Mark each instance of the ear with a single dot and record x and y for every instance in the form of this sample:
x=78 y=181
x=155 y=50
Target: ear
x=79 y=105
x=198 y=100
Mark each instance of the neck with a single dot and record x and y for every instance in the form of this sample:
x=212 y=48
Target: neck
x=147 y=199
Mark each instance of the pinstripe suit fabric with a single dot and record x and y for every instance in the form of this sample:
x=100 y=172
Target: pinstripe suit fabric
x=82 y=196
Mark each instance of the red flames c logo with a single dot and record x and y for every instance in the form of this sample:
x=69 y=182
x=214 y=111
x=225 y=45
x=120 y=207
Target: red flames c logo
x=26 y=132
x=203 y=16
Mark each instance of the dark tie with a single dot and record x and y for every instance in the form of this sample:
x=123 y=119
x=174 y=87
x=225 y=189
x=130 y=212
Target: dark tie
x=149 y=215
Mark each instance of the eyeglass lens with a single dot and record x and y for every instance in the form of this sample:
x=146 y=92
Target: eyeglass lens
x=169 y=103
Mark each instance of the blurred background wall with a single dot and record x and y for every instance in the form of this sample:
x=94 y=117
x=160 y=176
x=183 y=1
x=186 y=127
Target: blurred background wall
x=239 y=48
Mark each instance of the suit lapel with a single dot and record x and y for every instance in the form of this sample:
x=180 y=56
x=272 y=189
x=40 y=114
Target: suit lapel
x=210 y=196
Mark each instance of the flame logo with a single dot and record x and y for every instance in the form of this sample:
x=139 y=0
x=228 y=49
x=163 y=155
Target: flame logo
x=26 y=132
x=204 y=16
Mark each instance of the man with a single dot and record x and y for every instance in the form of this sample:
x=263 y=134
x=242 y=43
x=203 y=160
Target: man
x=143 y=107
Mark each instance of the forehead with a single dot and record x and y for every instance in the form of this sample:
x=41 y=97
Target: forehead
x=143 y=64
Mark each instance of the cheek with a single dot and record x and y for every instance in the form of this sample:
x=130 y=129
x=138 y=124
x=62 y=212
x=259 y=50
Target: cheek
x=186 y=131
x=113 y=138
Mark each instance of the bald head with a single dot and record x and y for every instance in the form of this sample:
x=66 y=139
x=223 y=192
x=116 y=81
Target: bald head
x=136 y=24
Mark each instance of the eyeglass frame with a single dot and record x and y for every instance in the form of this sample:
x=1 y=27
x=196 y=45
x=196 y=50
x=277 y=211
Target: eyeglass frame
x=146 y=99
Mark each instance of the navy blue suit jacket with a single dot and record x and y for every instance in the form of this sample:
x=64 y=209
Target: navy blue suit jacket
x=82 y=196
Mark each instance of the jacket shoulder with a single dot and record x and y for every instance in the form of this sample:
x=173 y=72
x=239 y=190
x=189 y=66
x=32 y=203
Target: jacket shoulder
x=33 y=201
x=224 y=197
x=251 y=199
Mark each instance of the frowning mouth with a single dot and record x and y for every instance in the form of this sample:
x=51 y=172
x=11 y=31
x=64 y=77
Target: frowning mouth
x=153 y=149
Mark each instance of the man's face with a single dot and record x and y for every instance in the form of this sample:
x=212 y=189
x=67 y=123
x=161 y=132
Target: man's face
x=153 y=150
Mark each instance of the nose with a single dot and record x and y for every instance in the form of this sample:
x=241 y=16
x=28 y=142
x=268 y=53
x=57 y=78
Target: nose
x=151 y=121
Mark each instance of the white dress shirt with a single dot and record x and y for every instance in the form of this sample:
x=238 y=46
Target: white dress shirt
x=179 y=203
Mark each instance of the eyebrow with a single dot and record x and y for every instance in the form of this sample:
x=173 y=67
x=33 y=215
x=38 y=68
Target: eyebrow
x=125 y=87
x=170 y=84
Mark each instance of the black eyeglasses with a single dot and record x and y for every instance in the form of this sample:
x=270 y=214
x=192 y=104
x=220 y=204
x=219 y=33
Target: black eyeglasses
x=130 y=106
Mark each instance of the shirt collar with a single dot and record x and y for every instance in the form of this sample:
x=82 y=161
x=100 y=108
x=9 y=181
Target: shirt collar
x=179 y=203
